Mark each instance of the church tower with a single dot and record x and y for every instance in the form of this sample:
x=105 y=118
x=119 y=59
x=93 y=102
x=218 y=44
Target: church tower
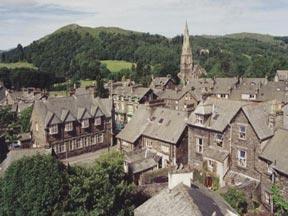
x=186 y=62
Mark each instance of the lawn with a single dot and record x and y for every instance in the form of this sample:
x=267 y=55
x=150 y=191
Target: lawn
x=116 y=65
x=17 y=65
x=85 y=83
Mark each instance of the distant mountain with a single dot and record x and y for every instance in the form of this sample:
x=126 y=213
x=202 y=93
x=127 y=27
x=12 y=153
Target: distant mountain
x=73 y=50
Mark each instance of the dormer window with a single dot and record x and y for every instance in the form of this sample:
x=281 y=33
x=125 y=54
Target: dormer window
x=219 y=139
x=53 y=129
x=242 y=132
x=69 y=126
x=199 y=119
x=85 y=123
x=97 y=121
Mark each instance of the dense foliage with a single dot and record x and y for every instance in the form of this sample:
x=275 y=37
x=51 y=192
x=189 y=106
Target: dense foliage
x=33 y=186
x=76 y=51
x=279 y=202
x=237 y=200
x=41 y=185
x=24 y=119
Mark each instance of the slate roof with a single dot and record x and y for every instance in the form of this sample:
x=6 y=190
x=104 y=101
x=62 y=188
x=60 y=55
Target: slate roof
x=141 y=160
x=224 y=85
x=163 y=124
x=131 y=91
x=276 y=151
x=172 y=94
x=282 y=75
x=216 y=154
x=257 y=115
x=224 y=111
x=274 y=90
x=160 y=81
x=183 y=201
x=200 y=86
x=65 y=109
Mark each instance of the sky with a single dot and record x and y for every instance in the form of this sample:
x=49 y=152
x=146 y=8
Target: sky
x=23 y=21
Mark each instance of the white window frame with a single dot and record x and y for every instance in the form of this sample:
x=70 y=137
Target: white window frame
x=165 y=149
x=97 y=121
x=68 y=126
x=199 y=145
x=242 y=134
x=60 y=148
x=99 y=138
x=53 y=129
x=199 y=119
x=36 y=126
x=85 y=123
x=267 y=197
x=242 y=161
x=210 y=164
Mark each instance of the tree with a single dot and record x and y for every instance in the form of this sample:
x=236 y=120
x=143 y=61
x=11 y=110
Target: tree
x=100 y=189
x=24 y=119
x=237 y=200
x=279 y=202
x=34 y=185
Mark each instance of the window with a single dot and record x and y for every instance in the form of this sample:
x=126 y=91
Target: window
x=71 y=145
x=99 y=138
x=148 y=143
x=242 y=158
x=85 y=123
x=53 y=129
x=36 y=126
x=219 y=139
x=199 y=145
x=161 y=121
x=242 y=132
x=199 y=119
x=165 y=149
x=98 y=121
x=130 y=109
x=269 y=169
x=78 y=144
x=60 y=148
x=69 y=126
x=210 y=164
x=93 y=140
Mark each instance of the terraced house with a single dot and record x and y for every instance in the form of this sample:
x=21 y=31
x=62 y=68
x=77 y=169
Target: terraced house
x=72 y=125
x=126 y=100
x=226 y=138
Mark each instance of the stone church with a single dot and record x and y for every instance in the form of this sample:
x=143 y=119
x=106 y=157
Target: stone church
x=188 y=69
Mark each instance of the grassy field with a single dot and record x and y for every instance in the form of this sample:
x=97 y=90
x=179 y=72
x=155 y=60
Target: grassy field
x=17 y=65
x=85 y=83
x=115 y=65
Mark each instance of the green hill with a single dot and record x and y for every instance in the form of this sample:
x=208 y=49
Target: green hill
x=18 y=65
x=74 y=51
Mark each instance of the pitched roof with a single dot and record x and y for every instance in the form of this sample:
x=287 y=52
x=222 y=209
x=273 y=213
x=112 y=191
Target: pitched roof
x=282 y=75
x=160 y=81
x=135 y=127
x=65 y=109
x=183 y=201
x=221 y=115
x=161 y=123
x=131 y=91
x=257 y=115
x=172 y=94
x=274 y=90
x=224 y=85
x=276 y=151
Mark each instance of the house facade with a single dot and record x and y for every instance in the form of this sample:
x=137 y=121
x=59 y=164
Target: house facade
x=72 y=125
x=226 y=138
x=160 y=130
x=126 y=100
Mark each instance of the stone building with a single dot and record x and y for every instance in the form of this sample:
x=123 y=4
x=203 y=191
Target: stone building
x=275 y=167
x=162 y=131
x=71 y=125
x=183 y=100
x=281 y=75
x=161 y=83
x=126 y=100
x=226 y=138
x=188 y=69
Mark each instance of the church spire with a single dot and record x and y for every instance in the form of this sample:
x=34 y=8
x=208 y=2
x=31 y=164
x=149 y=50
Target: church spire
x=186 y=49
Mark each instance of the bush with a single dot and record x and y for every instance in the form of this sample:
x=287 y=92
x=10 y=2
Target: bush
x=237 y=200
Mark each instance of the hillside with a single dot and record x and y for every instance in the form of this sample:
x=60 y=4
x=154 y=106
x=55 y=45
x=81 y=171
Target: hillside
x=17 y=65
x=74 y=51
